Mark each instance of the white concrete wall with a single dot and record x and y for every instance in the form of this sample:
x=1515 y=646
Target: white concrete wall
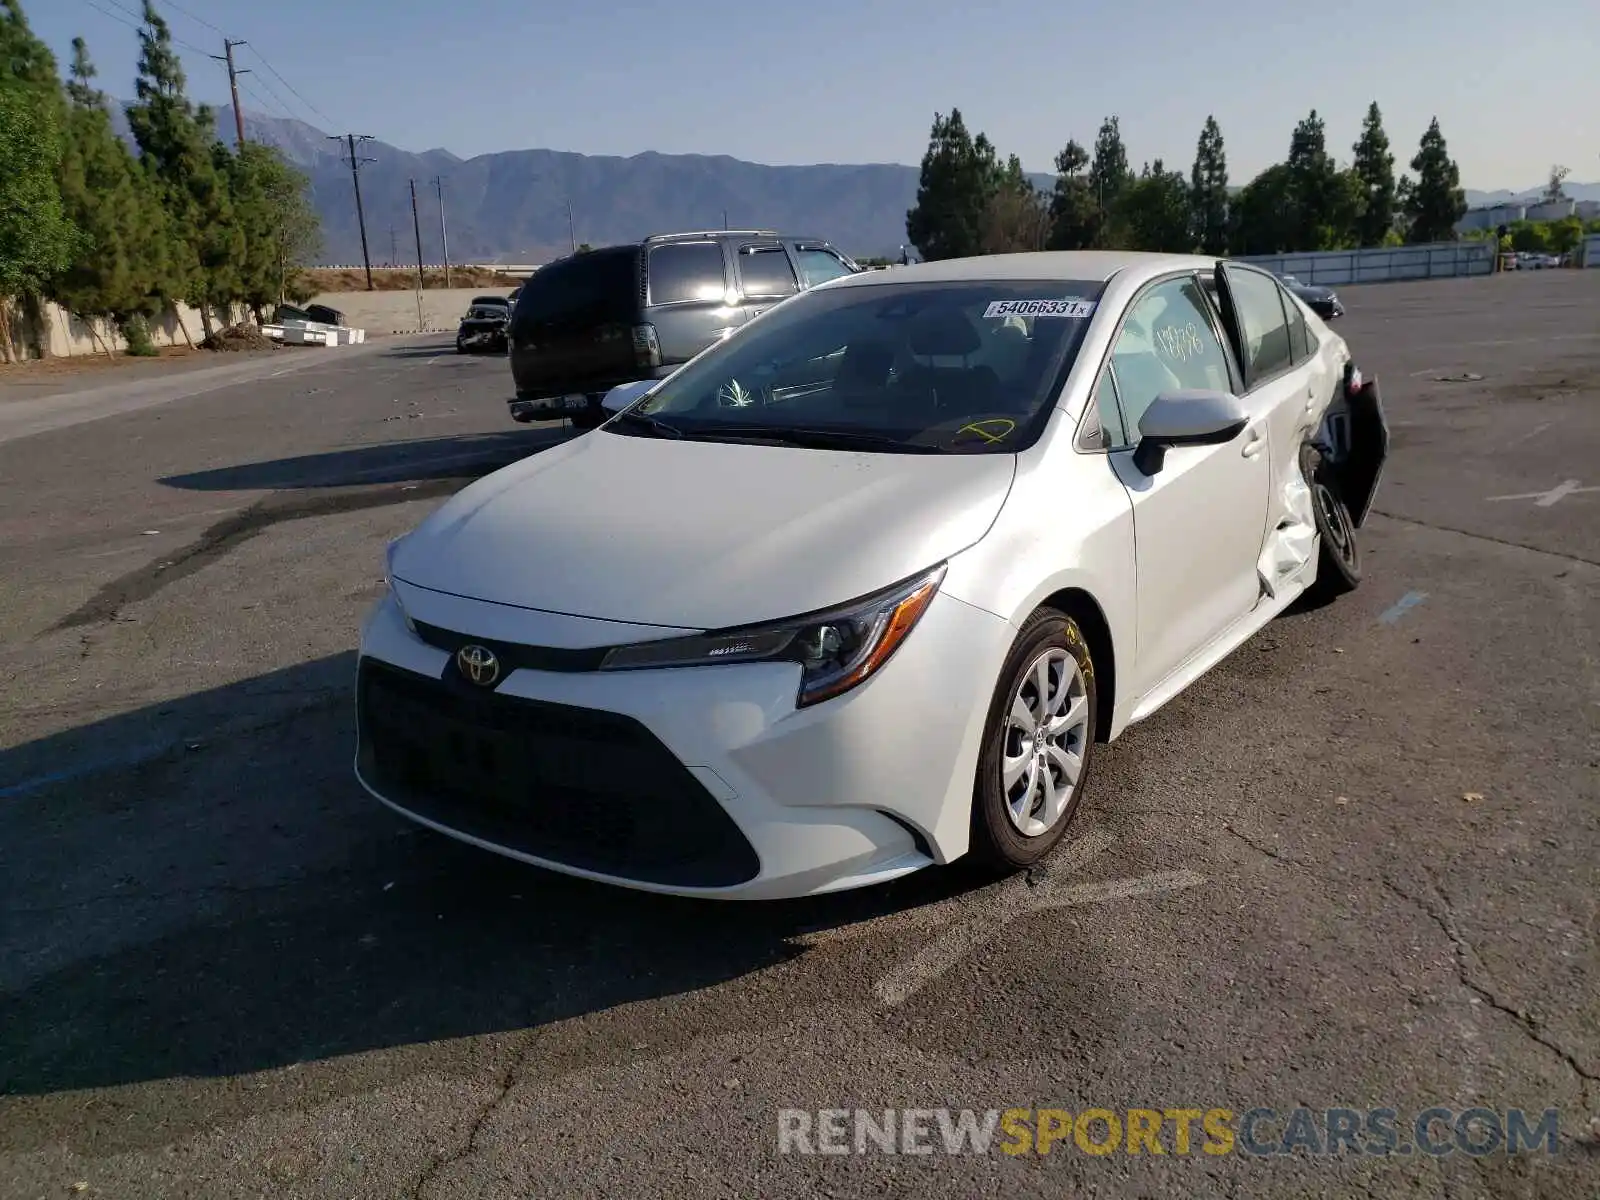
x=65 y=336
x=1437 y=260
x=396 y=312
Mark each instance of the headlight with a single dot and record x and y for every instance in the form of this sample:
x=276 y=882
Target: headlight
x=837 y=649
x=388 y=580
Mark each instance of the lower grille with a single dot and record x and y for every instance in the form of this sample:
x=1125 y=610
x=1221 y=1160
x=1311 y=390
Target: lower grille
x=585 y=788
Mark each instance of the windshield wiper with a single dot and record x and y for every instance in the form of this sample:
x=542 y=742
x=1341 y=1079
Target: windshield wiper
x=819 y=439
x=641 y=421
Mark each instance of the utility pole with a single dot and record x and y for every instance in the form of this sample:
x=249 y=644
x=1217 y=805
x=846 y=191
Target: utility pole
x=394 y=248
x=444 y=236
x=233 y=83
x=724 y=218
x=350 y=140
x=572 y=235
x=417 y=226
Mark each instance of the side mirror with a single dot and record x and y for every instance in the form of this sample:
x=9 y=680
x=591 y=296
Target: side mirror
x=621 y=396
x=1186 y=418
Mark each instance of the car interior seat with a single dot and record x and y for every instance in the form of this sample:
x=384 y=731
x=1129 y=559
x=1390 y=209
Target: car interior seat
x=944 y=333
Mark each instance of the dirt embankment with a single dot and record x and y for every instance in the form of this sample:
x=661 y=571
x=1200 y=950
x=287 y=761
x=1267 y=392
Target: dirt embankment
x=393 y=279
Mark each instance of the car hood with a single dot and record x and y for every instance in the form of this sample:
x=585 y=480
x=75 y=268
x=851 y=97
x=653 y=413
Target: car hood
x=700 y=535
x=1307 y=292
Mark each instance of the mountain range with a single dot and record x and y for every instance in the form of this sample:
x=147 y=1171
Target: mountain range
x=512 y=206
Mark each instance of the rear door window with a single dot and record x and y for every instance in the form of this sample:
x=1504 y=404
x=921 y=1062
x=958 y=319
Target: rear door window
x=683 y=272
x=764 y=272
x=1259 y=301
x=1299 y=336
x=818 y=264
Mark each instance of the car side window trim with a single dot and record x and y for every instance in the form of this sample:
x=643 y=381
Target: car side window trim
x=1220 y=331
x=1110 y=351
x=1252 y=382
x=767 y=248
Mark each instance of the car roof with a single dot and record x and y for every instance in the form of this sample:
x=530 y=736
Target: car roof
x=1089 y=265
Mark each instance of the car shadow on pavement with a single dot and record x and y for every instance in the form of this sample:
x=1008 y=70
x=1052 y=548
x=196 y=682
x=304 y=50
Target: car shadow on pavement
x=200 y=888
x=459 y=456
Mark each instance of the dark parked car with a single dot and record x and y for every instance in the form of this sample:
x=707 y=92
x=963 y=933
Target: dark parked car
x=484 y=326
x=586 y=323
x=1323 y=301
x=317 y=313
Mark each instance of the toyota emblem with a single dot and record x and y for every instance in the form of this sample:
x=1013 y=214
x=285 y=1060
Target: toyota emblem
x=478 y=665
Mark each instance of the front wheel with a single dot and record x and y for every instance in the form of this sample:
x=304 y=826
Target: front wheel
x=1036 y=744
x=1339 y=559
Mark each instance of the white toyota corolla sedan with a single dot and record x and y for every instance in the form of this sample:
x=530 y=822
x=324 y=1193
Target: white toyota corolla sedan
x=858 y=590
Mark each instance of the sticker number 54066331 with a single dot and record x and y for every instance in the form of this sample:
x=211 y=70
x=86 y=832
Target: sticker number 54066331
x=1071 y=309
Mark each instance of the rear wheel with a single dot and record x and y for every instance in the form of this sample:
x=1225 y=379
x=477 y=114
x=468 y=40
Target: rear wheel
x=1036 y=744
x=1339 y=558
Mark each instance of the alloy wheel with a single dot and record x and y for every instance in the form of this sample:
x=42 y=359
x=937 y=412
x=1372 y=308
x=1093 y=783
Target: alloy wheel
x=1047 y=729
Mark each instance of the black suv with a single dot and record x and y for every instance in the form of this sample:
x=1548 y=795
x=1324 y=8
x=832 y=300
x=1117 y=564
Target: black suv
x=586 y=323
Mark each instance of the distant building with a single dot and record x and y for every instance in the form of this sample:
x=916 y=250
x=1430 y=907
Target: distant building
x=1553 y=210
x=1587 y=210
x=1491 y=217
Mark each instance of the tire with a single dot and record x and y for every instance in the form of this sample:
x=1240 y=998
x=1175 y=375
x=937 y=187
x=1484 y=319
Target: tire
x=461 y=347
x=1338 y=554
x=1008 y=831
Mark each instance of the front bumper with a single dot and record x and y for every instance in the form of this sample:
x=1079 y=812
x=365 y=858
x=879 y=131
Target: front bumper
x=703 y=781
x=530 y=406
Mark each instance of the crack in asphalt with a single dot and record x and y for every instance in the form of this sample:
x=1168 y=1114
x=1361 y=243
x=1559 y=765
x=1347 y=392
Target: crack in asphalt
x=1469 y=967
x=1485 y=537
x=469 y=1144
x=1269 y=852
x=1471 y=973
x=228 y=534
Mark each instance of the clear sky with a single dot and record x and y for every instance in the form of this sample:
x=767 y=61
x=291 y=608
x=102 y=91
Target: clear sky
x=860 y=80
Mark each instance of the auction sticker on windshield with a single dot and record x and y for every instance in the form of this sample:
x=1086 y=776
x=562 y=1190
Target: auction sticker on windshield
x=1071 y=309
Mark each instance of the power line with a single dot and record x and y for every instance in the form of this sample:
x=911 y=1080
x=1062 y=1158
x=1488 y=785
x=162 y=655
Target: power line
x=324 y=116
x=137 y=25
x=176 y=7
x=261 y=102
x=283 y=104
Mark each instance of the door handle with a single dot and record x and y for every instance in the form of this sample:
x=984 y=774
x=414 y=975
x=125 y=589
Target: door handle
x=1254 y=440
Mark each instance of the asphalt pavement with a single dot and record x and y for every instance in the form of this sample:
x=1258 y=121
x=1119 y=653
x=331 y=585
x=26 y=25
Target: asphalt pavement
x=1357 y=865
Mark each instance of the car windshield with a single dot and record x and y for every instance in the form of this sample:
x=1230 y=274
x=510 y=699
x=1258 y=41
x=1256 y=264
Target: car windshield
x=486 y=301
x=919 y=367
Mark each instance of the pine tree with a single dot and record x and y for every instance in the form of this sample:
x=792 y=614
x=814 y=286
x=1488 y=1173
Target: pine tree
x=1314 y=184
x=1072 y=205
x=959 y=175
x=176 y=142
x=117 y=270
x=1262 y=217
x=1017 y=217
x=1109 y=176
x=1154 y=210
x=36 y=238
x=1374 y=169
x=1208 y=191
x=1436 y=202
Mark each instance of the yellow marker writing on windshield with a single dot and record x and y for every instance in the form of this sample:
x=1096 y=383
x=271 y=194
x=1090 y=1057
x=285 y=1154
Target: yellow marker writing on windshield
x=985 y=429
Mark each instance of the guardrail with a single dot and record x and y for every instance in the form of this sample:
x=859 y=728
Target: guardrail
x=502 y=268
x=1383 y=264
